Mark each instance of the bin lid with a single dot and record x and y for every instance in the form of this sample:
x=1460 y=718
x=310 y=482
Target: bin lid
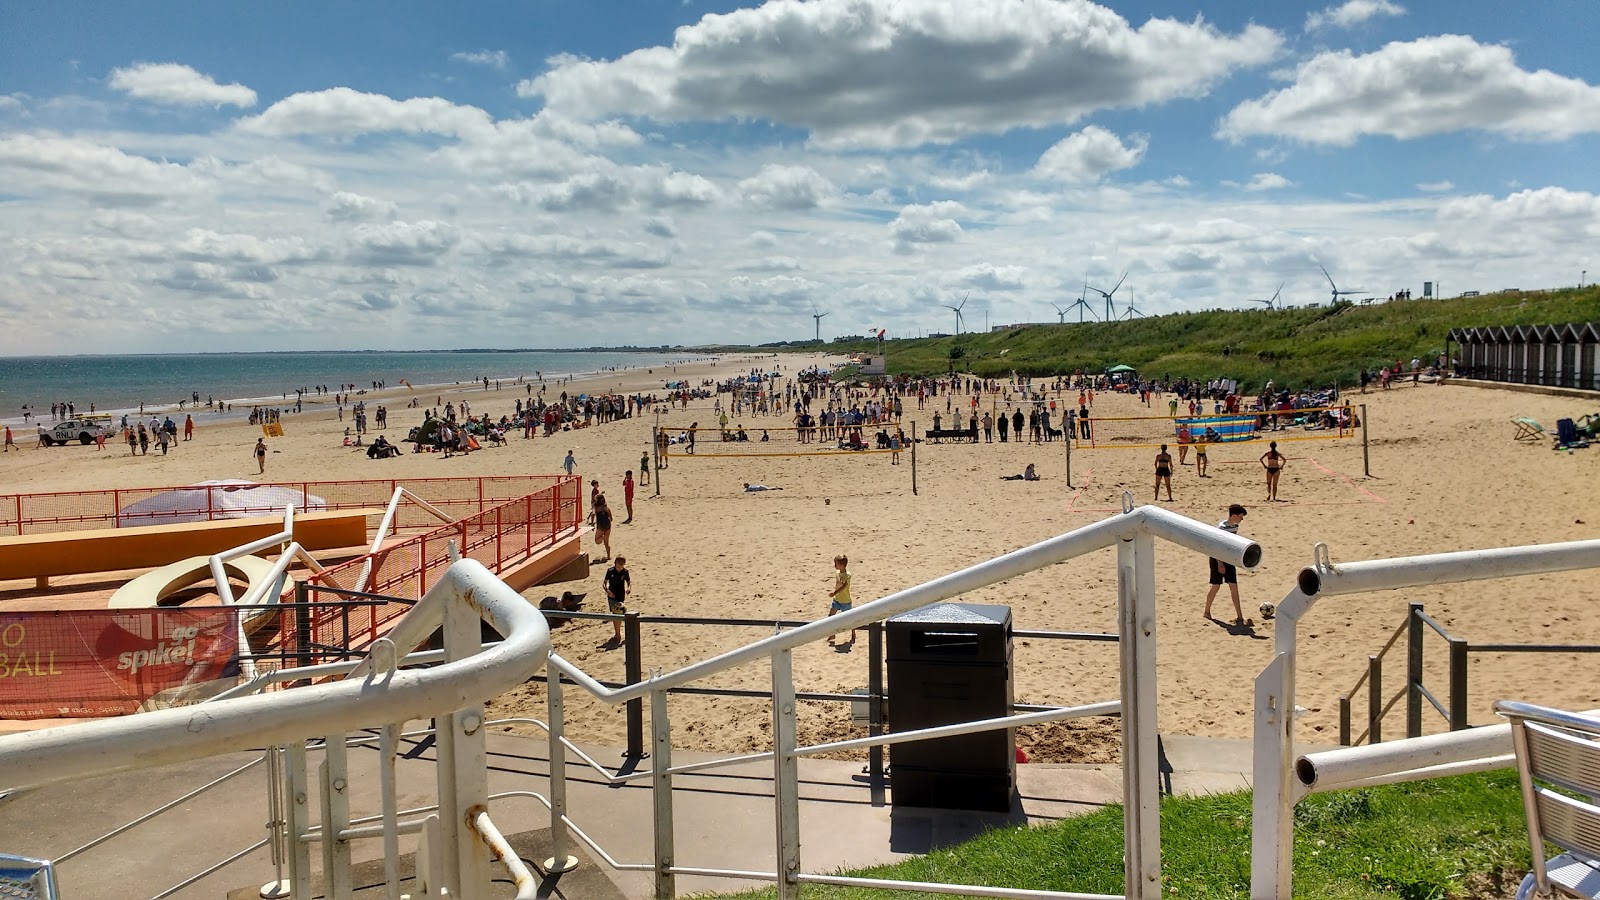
x=957 y=614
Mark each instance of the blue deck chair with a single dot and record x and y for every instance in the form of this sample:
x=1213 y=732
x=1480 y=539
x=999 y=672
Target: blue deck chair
x=1558 y=760
x=27 y=879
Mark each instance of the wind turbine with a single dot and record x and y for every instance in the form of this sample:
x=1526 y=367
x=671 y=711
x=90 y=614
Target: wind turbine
x=1111 y=310
x=817 y=317
x=1132 y=312
x=1336 y=292
x=1271 y=304
x=957 y=311
x=1081 y=304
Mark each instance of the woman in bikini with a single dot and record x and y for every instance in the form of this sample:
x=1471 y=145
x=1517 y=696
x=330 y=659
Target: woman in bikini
x=1273 y=462
x=1163 y=472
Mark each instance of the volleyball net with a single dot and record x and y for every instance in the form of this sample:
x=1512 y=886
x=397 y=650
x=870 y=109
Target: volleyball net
x=750 y=439
x=1321 y=423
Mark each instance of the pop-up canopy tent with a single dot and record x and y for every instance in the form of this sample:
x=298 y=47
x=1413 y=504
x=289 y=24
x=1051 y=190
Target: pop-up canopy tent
x=1117 y=370
x=224 y=499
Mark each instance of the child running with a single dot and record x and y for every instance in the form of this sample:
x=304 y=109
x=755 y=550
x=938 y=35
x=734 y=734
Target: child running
x=840 y=595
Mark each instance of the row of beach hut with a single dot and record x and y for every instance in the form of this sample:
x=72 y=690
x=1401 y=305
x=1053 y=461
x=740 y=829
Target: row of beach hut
x=1552 y=355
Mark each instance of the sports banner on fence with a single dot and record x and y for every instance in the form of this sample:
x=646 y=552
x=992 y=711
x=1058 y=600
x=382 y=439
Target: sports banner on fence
x=85 y=663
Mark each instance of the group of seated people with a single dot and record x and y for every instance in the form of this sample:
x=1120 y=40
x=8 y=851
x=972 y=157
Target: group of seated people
x=382 y=449
x=741 y=437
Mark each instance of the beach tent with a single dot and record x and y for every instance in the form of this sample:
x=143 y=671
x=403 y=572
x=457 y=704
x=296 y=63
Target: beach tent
x=224 y=499
x=1117 y=370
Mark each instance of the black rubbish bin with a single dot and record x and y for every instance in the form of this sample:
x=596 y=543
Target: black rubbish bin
x=950 y=663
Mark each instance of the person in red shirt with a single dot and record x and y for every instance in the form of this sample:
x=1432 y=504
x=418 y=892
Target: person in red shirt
x=627 y=496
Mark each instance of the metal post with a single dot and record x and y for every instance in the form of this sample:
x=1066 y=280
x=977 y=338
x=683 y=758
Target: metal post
x=913 y=459
x=1272 y=802
x=1344 y=721
x=336 y=873
x=1072 y=424
x=462 y=769
x=302 y=623
x=875 y=703
x=276 y=825
x=655 y=457
x=1458 y=683
x=1414 y=670
x=786 y=775
x=296 y=790
x=1366 y=456
x=561 y=860
x=1140 y=749
x=633 y=672
x=661 y=793
x=388 y=741
x=1374 y=699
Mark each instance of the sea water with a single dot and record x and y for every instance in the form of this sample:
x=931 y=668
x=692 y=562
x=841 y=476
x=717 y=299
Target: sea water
x=118 y=384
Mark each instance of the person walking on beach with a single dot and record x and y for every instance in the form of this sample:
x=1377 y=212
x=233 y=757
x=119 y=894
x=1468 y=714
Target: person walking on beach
x=1225 y=573
x=144 y=440
x=619 y=583
x=602 y=524
x=188 y=428
x=644 y=467
x=133 y=442
x=570 y=463
x=11 y=442
x=261 y=455
x=1200 y=457
x=627 y=495
x=1273 y=462
x=839 y=597
x=1163 y=472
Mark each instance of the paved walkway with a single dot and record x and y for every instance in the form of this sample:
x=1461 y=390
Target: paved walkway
x=724 y=817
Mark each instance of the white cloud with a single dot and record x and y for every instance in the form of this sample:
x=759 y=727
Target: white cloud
x=787 y=188
x=1408 y=90
x=103 y=174
x=347 y=207
x=179 y=85
x=343 y=113
x=1436 y=187
x=403 y=243
x=1089 y=155
x=1351 y=13
x=888 y=73
x=494 y=59
x=993 y=278
x=933 y=223
x=1263 y=181
x=10 y=102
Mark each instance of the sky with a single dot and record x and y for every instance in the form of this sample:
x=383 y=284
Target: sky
x=202 y=176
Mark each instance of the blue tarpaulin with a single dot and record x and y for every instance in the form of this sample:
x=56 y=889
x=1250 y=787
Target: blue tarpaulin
x=1229 y=428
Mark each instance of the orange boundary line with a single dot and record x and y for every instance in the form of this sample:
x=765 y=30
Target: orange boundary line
x=1346 y=479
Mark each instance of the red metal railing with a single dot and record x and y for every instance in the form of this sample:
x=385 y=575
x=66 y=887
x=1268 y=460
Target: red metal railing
x=499 y=536
x=81 y=510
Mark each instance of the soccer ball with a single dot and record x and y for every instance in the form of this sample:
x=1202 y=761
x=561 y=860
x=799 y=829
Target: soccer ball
x=1267 y=611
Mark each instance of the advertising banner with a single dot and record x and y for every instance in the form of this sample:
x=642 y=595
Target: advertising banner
x=83 y=663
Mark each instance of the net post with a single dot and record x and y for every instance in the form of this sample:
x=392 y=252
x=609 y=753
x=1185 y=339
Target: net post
x=1414 y=670
x=1366 y=458
x=1070 y=426
x=655 y=454
x=913 y=458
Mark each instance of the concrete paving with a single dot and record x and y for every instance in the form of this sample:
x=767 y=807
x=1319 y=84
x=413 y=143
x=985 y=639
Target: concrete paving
x=724 y=817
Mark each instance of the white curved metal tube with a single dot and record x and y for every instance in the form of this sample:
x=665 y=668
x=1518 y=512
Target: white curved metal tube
x=1153 y=520
x=1463 y=565
x=174 y=735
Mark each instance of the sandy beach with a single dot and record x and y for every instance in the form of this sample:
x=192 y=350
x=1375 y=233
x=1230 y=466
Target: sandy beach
x=1447 y=476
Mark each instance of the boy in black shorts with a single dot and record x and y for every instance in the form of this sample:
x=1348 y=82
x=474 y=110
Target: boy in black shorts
x=618 y=584
x=1224 y=573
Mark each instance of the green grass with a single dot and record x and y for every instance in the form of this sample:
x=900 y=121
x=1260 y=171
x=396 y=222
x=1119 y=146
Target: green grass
x=1457 y=837
x=1297 y=347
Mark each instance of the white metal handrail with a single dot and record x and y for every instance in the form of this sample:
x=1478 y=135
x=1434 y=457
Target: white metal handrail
x=1280 y=780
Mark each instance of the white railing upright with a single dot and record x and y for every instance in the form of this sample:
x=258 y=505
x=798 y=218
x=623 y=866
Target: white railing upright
x=1280 y=780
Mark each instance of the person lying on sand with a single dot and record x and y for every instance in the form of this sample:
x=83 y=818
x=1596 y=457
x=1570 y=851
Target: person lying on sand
x=1028 y=474
x=752 y=488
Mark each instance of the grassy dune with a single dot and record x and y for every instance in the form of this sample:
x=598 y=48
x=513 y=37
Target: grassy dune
x=1296 y=347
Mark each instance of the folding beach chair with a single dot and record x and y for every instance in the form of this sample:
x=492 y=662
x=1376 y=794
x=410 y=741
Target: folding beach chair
x=27 y=879
x=1558 y=759
x=1527 y=429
